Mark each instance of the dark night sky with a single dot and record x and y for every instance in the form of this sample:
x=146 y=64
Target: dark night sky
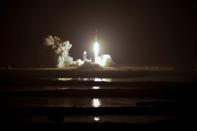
x=133 y=32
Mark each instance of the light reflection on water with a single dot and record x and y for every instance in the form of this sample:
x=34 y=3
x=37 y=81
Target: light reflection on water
x=133 y=79
x=96 y=102
x=95 y=87
x=86 y=79
x=65 y=79
x=96 y=118
x=97 y=79
x=107 y=79
x=102 y=79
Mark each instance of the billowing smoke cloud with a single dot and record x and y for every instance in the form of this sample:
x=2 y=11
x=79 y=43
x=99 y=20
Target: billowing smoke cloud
x=62 y=50
x=106 y=60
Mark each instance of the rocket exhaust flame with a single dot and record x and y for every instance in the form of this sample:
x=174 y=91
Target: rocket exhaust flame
x=96 y=52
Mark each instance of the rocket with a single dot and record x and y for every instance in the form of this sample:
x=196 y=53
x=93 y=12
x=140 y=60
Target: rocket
x=84 y=56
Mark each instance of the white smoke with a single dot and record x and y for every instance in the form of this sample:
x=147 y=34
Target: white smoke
x=106 y=60
x=62 y=50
